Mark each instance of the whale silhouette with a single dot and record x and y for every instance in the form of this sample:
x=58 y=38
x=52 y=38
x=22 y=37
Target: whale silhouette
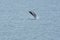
x=33 y=14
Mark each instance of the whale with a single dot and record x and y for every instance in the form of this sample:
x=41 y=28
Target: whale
x=33 y=14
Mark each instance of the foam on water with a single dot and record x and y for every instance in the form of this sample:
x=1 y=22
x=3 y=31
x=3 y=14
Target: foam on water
x=37 y=17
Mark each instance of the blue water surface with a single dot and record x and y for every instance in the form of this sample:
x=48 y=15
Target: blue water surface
x=16 y=23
